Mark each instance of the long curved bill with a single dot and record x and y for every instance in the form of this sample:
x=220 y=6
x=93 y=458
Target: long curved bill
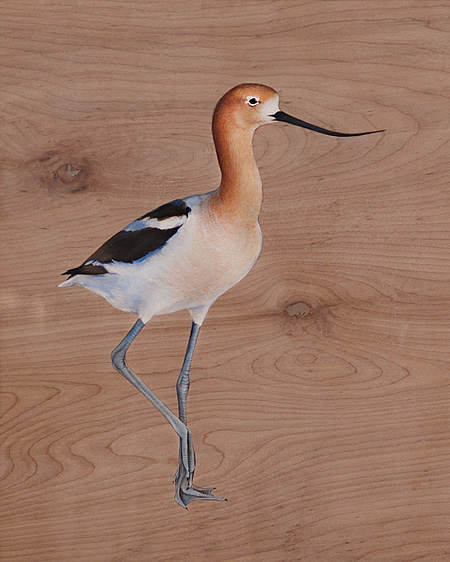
x=285 y=118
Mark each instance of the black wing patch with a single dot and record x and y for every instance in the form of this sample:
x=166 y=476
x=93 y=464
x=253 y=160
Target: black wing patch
x=131 y=245
x=176 y=208
x=85 y=269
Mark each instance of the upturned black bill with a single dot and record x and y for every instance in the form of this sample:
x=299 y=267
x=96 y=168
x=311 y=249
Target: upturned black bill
x=284 y=117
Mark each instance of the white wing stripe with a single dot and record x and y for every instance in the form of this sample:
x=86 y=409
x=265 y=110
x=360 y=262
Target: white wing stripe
x=162 y=224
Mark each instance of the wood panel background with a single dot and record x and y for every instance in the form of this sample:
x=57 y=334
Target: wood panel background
x=320 y=395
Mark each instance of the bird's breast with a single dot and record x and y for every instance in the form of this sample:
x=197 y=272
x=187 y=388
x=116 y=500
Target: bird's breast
x=221 y=253
x=203 y=260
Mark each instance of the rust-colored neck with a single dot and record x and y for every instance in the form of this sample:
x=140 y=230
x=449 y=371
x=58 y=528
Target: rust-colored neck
x=240 y=191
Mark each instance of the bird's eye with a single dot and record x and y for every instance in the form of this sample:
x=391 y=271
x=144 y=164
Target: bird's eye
x=252 y=101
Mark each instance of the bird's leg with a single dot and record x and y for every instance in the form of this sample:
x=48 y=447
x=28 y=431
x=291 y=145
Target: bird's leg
x=183 y=383
x=120 y=364
x=185 y=490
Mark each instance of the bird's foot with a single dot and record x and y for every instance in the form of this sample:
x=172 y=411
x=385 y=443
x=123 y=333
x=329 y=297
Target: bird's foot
x=186 y=491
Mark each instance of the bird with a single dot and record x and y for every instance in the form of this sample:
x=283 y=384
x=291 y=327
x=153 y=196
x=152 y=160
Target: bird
x=185 y=254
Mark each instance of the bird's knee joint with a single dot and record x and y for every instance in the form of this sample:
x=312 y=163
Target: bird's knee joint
x=117 y=357
x=183 y=383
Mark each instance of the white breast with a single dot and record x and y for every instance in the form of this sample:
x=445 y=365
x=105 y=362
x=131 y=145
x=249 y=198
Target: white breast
x=197 y=265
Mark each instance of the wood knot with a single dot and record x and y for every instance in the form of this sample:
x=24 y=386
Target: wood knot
x=299 y=309
x=70 y=176
x=67 y=173
x=60 y=172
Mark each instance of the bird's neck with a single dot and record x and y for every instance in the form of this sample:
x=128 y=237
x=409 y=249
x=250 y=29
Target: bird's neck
x=240 y=191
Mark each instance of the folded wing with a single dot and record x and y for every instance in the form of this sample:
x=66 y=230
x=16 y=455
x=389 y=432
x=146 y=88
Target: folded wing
x=136 y=241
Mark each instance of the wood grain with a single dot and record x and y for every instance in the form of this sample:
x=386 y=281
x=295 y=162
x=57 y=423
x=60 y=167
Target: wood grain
x=320 y=395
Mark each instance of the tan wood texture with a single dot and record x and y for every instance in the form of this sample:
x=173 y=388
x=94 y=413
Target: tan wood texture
x=320 y=396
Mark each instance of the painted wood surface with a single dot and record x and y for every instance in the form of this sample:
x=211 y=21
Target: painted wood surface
x=320 y=395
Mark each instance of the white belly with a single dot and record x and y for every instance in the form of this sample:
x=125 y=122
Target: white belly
x=198 y=264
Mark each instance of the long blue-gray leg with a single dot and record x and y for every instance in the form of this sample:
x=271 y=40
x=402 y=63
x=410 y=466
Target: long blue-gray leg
x=120 y=364
x=185 y=490
x=183 y=381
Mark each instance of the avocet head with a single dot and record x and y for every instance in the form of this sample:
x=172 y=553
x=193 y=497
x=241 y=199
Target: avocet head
x=249 y=106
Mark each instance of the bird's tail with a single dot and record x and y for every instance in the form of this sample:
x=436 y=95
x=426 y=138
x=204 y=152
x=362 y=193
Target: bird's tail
x=67 y=283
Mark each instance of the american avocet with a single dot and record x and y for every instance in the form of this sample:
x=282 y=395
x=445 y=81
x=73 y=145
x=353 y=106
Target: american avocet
x=186 y=253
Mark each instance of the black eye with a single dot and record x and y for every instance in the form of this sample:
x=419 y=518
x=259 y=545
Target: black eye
x=252 y=101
